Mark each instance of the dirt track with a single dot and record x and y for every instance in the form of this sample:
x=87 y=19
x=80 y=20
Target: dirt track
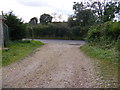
x=52 y=66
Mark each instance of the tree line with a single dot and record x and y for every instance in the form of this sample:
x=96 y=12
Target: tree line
x=87 y=16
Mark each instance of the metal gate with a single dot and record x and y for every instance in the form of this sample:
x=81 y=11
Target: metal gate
x=6 y=35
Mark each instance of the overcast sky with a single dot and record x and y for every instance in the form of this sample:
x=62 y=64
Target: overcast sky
x=27 y=9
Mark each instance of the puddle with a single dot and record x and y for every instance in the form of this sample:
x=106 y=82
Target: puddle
x=74 y=44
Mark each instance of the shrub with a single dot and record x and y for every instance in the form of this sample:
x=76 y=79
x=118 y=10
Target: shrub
x=78 y=32
x=17 y=29
x=106 y=32
x=49 y=31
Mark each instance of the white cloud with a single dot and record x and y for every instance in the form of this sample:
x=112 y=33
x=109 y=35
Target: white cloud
x=27 y=9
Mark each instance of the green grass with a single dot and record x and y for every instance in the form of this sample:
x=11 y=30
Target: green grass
x=106 y=63
x=99 y=53
x=18 y=50
x=0 y=58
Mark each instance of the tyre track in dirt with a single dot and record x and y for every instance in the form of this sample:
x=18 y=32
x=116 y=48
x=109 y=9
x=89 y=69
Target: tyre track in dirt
x=52 y=66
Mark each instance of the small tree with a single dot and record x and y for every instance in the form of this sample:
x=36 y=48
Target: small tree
x=33 y=20
x=16 y=26
x=45 y=18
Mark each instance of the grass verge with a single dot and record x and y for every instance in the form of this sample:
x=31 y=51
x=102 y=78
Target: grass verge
x=0 y=57
x=106 y=64
x=18 y=50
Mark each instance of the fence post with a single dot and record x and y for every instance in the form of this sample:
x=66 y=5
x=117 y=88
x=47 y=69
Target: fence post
x=1 y=33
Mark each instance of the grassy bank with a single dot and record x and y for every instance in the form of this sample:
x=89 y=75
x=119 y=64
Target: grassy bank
x=106 y=63
x=99 y=53
x=18 y=50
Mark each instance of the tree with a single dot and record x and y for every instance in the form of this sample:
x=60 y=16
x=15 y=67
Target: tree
x=45 y=18
x=77 y=7
x=56 y=17
x=85 y=17
x=72 y=21
x=105 y=10
x=16 y=26
x=110 y=11
x=82 y=15
x=33 y=20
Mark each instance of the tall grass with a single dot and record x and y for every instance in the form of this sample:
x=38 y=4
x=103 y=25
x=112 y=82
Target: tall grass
x=99 y=53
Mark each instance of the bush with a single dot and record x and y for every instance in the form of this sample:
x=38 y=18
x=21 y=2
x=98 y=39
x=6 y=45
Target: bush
x=57 y=31
x=17 y=29
x=105 y=36
x=106 y=32
x=78 y=32
x=118 y=45
x=94 y=34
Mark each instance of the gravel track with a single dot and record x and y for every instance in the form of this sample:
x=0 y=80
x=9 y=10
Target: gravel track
x=52 y=66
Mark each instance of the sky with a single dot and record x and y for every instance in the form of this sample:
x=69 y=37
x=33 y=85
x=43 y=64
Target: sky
x=26 y=9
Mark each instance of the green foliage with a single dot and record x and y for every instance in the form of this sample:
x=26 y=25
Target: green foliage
x=45 y=18
x=104 y=32
x=0 y=58
x=95 y=11
x=18 y=50
x=57 y=31
x=106 y=37
x=78 y=32
x=82 y=15
x=93 y=34
x=16 y=27
x=118 y=47
x=110 y=10
x=99 y=53
x=72 y=22
x=33 y=20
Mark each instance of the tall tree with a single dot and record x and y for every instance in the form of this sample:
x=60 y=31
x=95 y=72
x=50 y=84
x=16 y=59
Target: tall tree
x=110 y=10
x=45 y=18
x=82 y=15
x=98 y=8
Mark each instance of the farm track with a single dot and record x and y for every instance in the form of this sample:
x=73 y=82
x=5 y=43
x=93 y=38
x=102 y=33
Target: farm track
x=52 y=66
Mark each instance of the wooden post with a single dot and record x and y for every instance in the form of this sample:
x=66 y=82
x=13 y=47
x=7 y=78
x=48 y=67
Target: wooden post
x=1 y=33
